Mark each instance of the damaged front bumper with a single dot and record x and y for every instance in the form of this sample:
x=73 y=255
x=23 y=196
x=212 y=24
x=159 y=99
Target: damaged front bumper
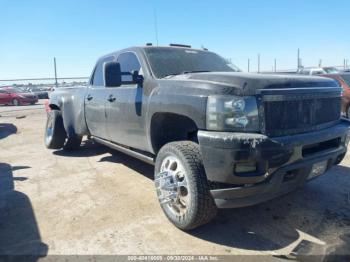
x=246 y=168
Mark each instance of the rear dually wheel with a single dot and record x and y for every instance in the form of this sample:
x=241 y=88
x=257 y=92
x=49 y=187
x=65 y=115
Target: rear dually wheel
x=56 y=136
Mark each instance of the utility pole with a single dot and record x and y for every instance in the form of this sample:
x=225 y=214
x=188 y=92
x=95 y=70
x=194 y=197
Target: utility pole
x=275 y=68
x=248 y=65
x=298 y=62
x=258 y=63
x=320 y=63
x=54 y=64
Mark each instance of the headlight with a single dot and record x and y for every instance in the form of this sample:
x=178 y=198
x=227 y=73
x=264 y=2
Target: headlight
x=232 y=113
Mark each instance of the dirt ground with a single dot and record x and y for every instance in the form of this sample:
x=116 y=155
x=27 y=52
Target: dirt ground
x=98 y=201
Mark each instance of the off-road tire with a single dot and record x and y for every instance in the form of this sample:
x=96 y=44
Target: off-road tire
x=55 y=135
x=202 y=208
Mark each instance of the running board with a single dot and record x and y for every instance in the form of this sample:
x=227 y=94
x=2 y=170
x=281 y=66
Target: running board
x=127 y=151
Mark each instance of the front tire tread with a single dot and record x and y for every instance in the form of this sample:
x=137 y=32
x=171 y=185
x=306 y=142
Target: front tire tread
x=203 y=209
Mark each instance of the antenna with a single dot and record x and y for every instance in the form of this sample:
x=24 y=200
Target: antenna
x=156 y=24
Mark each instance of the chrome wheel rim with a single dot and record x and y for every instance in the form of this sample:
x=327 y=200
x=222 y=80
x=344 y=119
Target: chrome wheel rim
x=15 y=102
x=172 y=187
x=49 y=128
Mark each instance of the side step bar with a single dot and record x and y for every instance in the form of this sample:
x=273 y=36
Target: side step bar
x=127 y=151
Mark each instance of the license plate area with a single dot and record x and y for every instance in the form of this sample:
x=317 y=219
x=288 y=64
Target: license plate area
x=318 y=169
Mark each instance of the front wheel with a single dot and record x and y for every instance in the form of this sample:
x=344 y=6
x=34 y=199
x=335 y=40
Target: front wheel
x=16 y=102
x=348 y=113
x=182 y=187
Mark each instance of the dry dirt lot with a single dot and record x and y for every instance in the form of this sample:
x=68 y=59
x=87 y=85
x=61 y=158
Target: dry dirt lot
x=98 y=201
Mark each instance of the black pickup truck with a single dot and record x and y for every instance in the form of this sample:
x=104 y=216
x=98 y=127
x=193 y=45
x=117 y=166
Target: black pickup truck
x=218 y=138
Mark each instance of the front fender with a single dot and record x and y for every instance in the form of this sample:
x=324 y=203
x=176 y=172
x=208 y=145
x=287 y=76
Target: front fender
x=192 y=106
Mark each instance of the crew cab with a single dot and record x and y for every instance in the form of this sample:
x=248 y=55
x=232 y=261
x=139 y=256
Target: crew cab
x=218 y=137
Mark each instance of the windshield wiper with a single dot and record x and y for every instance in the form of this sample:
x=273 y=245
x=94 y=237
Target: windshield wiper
x=186 y=72
x=169 y=75
x=198 y=71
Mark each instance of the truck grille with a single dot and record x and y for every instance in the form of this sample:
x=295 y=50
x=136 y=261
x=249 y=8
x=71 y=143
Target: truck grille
x=299 y=113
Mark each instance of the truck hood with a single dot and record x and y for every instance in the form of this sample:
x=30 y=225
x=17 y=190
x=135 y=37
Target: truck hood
x=249 y=83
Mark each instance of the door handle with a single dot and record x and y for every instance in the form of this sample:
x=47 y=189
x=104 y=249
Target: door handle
x=111 y=98
x=89 y=97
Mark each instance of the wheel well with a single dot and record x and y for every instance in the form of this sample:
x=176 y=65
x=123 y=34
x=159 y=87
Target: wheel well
x=54 y=107
x=169 y=127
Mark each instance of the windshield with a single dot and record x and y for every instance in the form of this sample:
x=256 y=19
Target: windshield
x=15 y=90
x=174 y=61
x=331 y=70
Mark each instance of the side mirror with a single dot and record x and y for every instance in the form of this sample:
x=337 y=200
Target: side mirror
x=113 y=75
x=136 y=78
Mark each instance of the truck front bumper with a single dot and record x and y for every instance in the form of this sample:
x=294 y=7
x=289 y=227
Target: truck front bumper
x=245 y=168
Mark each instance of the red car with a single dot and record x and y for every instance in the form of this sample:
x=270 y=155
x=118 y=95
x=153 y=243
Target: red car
x=15 y=96
x=344 y=80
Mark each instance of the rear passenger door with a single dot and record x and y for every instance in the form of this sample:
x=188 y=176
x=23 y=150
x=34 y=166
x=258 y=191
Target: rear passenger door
x=125 y=117
x=95 y=101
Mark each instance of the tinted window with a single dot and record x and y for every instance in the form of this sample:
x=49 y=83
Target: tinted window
x=128 y=63
x=98 y=79
x=175 y=61
x=15 y=90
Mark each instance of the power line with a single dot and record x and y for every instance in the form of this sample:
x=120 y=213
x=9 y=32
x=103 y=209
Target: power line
x=43 y=78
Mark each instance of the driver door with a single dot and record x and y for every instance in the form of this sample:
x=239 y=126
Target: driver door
x=125 y=114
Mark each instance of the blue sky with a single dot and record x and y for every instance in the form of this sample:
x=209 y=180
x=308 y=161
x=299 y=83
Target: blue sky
x=78 y=32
